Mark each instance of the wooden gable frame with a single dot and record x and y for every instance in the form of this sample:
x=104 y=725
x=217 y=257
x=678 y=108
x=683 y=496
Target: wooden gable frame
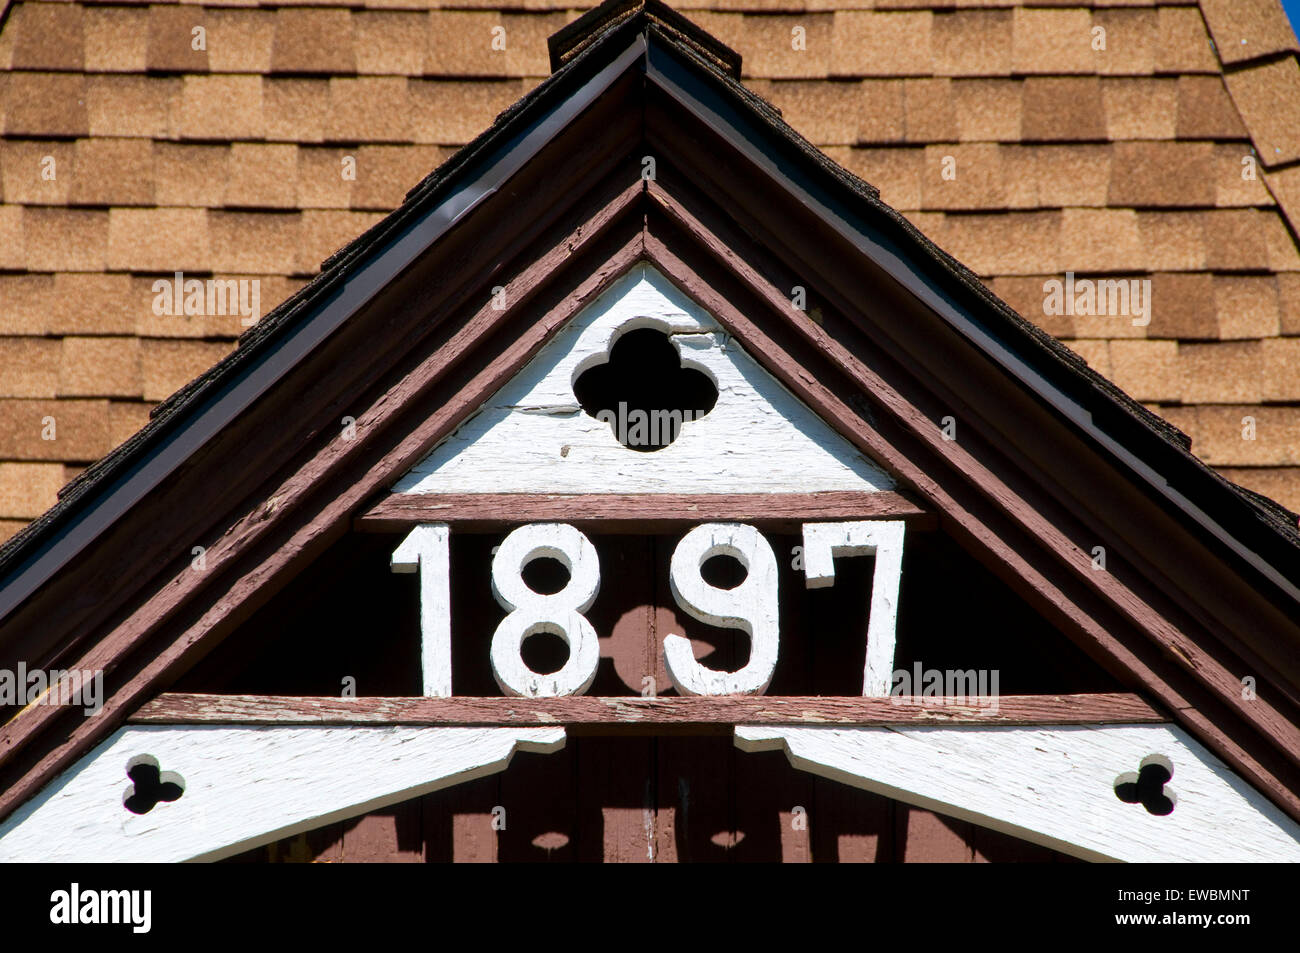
x=400 y=332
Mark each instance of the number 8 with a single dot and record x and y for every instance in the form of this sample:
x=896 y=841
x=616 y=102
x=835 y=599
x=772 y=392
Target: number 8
x=533 y=612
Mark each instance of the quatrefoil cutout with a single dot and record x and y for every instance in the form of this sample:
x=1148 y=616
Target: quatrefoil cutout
x=1146 y=786
x=643 y=392
x=151 y=785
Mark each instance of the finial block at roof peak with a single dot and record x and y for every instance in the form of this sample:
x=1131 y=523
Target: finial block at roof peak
x=577 y=36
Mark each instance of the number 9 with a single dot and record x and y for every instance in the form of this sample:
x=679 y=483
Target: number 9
x=750 y=607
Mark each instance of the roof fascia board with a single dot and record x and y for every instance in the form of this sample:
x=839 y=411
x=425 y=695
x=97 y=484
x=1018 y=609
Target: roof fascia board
x=258 y=375
x=686 y=86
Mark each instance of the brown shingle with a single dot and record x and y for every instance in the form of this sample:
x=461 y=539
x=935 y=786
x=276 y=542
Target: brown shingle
x=93 y=304
x=769 y=47
x=972 y=42
x=880 y=117
x=1014 y=243
x=1245 y=29
x=1095 y=353
x=117 y=39
x=12 y=246
x=830 y=113
x=134 y=106
x=1029 y=299
x=262 y=175
x=168 y=321
x=1234 y=240
x=526 y=53
x=1063 y=109
x=255 y=243
x=113 y=172
x=1182 y=307
x=1182 y=45
x=375 y=108
x=1242 y=434
x=1063 y=176
x=1227 y=373
x=125 y=418
x=167 y=366
x=1162 y=174
x=1246 y=306
x=61 y=430
x=100 y=367
x=1100 y=240
x=461 y=44
x=191 y=175
x=222 y=107
x=1172 y=241
x=895 y=172
x=1277 y=483
x=172 y=39
x=296 y=110
x=1279 y=243
x=1239 y=182
x=966 y=176
x=23 y=298
x=320 y=176
x=386 y=173
x=60 y=239
x=47 y=36
x=26 y=168
x=1269 y=99
x=1130 y=42
x=1281 y=366
x=1140 y=108
x=1147 y=370
x=1205 y=111
x=987 y=109
x=390 y=42
x=158 y=239
x=239 y=41
x=1288 y=293
x=881 y=44
x=28 y=489
x=326 y=231
x=1053 y=41
x=29 y=367
x=927 y=110
x=312 y=41
x=46 y=104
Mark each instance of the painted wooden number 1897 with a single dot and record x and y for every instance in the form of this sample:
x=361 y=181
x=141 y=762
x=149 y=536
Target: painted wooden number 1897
x=750 y=607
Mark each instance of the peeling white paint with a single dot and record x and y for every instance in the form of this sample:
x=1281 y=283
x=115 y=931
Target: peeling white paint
x=758 y=438
x=1052 y=786
x=245 y=787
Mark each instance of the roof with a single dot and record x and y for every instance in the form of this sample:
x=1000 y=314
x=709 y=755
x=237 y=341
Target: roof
x=103 y=579
x=1123 y=162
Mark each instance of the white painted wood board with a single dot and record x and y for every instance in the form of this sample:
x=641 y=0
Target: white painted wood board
x=532 y=437
x=245 y=787
x=1052 y=786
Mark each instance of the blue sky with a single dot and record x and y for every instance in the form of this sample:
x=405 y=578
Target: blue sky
x=1292 y=8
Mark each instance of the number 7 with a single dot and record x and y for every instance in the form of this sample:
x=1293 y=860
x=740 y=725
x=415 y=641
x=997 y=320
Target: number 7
x=822 y=542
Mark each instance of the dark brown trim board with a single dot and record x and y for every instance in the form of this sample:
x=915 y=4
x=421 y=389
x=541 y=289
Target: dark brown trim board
x=635 y=513
x=657 y=713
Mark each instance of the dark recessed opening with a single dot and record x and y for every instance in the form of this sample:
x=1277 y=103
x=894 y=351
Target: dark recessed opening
x=545 y=575
x=643 y=392
x=544 y=652
x=724 y=572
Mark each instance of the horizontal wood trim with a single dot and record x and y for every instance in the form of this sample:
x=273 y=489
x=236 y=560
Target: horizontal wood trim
x=635 y=512
x=656 y=714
